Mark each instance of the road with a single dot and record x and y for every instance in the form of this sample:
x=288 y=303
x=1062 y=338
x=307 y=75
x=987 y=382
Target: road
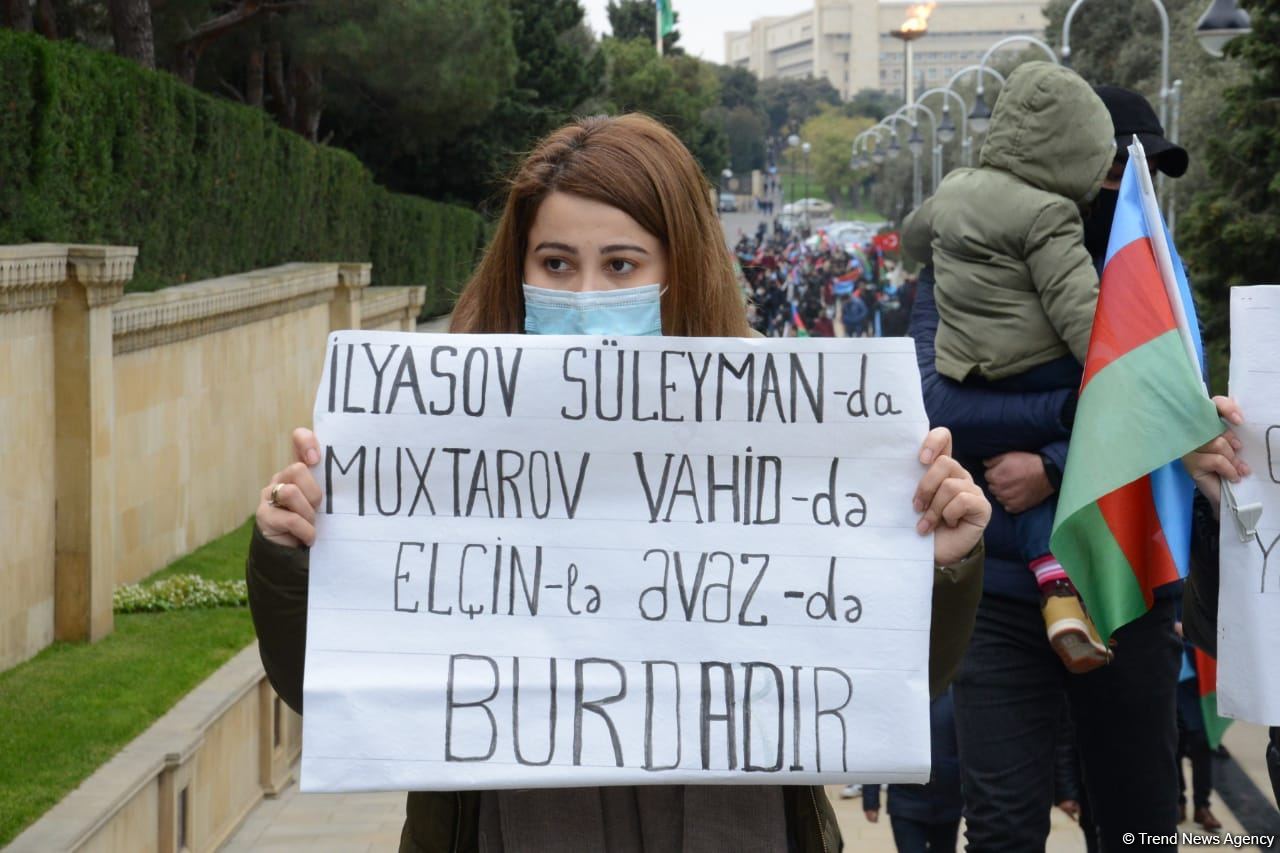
x=735 y=225
x=370 y=823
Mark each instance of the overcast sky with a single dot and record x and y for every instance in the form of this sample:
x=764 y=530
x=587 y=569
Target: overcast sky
x=703 y=23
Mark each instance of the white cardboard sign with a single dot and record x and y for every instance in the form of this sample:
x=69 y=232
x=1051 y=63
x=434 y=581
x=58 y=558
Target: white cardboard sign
x=572 y=561
x=1249 y=596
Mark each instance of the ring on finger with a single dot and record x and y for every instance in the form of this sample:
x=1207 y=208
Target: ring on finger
x=274 y=499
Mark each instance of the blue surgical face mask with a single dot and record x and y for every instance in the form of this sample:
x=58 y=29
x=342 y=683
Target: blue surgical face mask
x=627 y=311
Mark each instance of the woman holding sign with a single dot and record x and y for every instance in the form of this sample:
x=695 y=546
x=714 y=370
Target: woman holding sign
x=609 y=230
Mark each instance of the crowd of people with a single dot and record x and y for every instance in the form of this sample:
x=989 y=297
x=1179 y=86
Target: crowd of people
x=802 y=284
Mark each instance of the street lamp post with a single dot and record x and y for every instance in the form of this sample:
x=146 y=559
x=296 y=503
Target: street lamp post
x=980 y=118
x=967 y=143
x=893 y=149
x=793 y=141
x=1220 y=23
x=861 y=159
x=946 y=129
x=1164 y=52
x=727 y=175
x=916 y=145
x=804 y=200
x=860 y=148
x=878 y=156
x=860 y=143
x=865 y=157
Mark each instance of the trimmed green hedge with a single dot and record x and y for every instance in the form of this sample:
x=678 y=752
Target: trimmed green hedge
x=94 y=149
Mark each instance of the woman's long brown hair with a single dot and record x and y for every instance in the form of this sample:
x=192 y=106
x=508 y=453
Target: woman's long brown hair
x=637 y=165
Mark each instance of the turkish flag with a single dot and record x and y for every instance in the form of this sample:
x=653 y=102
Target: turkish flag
x=887 y=242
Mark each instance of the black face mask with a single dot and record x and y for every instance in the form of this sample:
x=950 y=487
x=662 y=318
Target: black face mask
x=1097 y=224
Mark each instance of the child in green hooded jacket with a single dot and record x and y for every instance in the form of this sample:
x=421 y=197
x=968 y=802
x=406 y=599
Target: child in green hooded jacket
x=1015 y=286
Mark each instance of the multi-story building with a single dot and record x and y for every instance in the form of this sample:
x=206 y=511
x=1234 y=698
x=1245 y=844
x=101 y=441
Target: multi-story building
x=848 y=41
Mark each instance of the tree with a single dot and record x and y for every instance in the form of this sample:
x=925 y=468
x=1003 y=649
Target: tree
x=85 y=21
x=873 y=103
x=679 y=90
x=131 y=29
x=742 y=118
x=889 y=187
x=1229 y=235
x=738 y=88
x=430 y=67
x=638 y=19
x=52 y=20
x=560 y=72
x=830 y=135
x=196 y=26
x=17 y=14
x=556 y=66
x=790 y=102
x=745 y=129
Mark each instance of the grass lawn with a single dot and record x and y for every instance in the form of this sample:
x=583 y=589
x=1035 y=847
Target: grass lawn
x=72 y=707
x=847 y=214
x=843 y=213
x=793 y=189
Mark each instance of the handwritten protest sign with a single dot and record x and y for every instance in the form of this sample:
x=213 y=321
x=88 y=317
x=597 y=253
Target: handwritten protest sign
x=1249 y=597
x=571 y=561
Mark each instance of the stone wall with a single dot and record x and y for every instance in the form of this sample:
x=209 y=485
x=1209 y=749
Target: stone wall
x=28 y=291
x=152 y=420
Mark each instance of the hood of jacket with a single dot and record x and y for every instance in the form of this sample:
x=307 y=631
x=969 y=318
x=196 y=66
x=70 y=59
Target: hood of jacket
x=1052 y=131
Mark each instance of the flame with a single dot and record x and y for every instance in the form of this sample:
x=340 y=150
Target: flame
x=918 y=17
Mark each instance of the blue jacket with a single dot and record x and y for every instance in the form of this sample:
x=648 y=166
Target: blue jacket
x=938 y=801
x=986 y=423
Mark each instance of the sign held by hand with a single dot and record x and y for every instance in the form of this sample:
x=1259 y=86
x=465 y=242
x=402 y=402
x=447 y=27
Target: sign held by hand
x=571 y=561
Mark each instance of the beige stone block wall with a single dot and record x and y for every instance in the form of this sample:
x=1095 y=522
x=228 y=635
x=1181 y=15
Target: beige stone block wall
x=150 y=421
x=391 y=325
x=26 y=484
x=391 y=309
x=225 y=773
x=201 y=424
x=133 y=827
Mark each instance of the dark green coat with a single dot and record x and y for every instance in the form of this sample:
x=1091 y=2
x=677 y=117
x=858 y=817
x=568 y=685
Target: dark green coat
x=1016 y=286
x=447 y=821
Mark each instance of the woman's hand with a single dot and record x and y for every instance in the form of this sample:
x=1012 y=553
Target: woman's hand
x=952 y=504
x=291 y=522
x=1218 y=458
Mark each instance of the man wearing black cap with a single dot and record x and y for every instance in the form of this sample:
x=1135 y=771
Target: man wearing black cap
x=1156 y=750
x=1010 y=688
x=1132 y=116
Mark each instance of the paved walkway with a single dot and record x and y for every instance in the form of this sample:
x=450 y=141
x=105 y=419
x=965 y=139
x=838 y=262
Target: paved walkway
x=370 y=823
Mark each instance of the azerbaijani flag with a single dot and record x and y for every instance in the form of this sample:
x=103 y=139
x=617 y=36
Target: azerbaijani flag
x=802 y=331
x=1207 y=684
x=1123 y=525
x=666 y=18
x=843 y=285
